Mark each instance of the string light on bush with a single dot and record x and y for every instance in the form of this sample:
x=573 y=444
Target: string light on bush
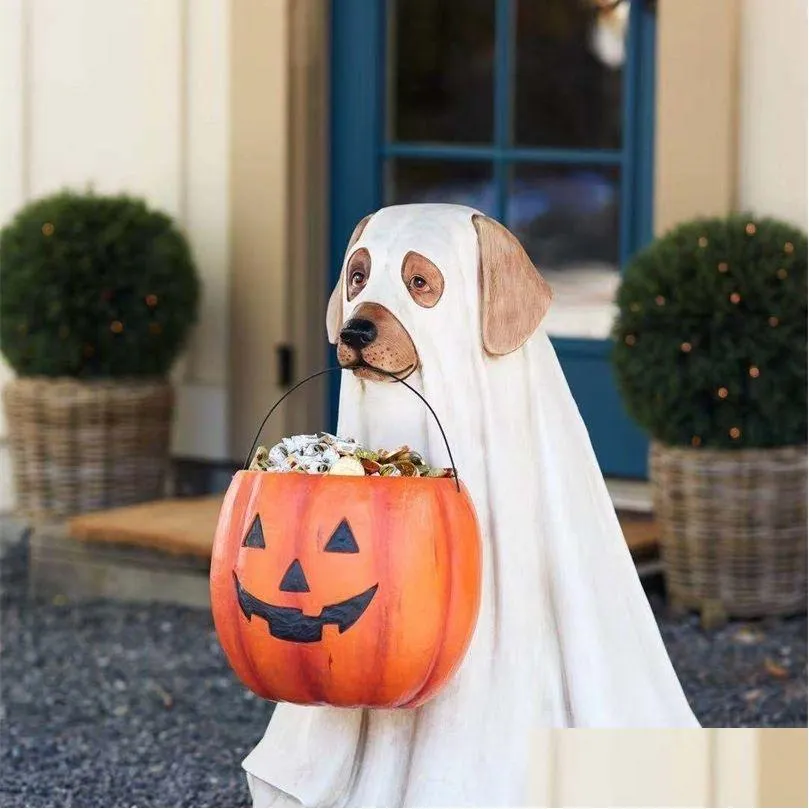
x=734 y=264
x=111 y=302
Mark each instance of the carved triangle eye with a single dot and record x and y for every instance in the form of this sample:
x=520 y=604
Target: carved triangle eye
x=255 y=536
x=342 y=540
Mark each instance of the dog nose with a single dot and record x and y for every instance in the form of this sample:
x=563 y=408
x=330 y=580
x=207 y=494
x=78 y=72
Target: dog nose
x=358 y=333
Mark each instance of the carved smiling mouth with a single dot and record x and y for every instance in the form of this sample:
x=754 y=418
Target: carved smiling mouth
x=289 y=623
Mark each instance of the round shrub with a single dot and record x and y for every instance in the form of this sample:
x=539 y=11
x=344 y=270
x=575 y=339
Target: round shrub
x=710 y=339
x=94 y=286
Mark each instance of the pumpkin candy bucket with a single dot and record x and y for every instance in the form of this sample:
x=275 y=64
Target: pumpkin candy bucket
x=343 y=590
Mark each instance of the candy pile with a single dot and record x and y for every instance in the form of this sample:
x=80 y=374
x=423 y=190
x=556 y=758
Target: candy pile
x=327 y=454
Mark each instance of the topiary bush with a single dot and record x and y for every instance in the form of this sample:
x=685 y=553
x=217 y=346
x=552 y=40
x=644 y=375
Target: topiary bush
x=94 y=286
x=710 y=340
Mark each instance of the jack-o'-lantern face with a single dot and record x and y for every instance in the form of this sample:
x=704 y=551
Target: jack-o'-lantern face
x=345 y=590
x=290 y=623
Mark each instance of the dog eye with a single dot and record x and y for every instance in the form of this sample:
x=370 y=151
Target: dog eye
x=357 y=278
x=417 y=282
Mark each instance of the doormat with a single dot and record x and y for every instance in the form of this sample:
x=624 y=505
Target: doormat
x=183 y=526
x=186 y=526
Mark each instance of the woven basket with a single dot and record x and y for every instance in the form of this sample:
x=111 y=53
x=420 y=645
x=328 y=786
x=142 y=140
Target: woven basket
x=81 y=446
x=733 y=527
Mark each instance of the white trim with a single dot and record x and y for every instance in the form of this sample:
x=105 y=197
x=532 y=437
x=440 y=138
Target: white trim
x=7 y=494
x=630 y=495
x=201 y=422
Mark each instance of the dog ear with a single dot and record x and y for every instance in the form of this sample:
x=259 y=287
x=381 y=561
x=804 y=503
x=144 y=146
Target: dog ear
x=514 y=297
x=334 y=311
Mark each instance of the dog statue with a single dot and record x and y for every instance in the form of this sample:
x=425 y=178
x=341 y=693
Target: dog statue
x=447 y=298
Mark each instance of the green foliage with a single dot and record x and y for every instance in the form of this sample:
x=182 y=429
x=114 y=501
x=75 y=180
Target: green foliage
x=94 y=286
x=710 y=339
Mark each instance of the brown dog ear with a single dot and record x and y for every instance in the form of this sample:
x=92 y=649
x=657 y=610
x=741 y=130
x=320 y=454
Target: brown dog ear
x=514 y=297
x=334 y=311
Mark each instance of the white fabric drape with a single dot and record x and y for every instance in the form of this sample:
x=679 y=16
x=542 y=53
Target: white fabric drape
x=565 y=636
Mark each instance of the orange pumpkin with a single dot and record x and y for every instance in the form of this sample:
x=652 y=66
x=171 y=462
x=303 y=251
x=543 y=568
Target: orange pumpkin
x=348 y=591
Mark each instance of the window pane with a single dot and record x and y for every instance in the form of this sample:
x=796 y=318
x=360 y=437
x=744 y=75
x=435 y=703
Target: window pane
x=569 y=59
x=441 y=76
x=463 y=183
x=567 y=219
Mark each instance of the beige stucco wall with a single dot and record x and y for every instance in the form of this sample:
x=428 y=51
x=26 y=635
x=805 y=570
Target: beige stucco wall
x=695 y=122
x=260 y=221
x=772 y=166
x=731 y=109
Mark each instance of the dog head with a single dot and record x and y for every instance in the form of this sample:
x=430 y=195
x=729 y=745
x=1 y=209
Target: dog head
x=382 y=274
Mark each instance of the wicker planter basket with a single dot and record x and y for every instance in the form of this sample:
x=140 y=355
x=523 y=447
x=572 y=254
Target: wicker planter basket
x=80 y=446
x=733 y=528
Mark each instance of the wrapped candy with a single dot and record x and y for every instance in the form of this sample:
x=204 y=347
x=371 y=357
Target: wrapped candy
x=325 y=453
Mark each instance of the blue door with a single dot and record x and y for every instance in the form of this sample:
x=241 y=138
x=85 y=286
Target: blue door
x=538 y=113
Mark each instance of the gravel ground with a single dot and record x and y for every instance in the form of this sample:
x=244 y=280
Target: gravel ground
x=106 y=704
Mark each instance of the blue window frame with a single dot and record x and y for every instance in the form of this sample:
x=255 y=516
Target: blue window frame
x=360 y=150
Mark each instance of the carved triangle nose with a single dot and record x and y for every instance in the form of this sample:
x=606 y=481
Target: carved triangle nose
x=294 y=580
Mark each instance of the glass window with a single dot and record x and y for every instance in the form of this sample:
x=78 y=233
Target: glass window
x=568 y=75
x=441 y=70
x=459 y=182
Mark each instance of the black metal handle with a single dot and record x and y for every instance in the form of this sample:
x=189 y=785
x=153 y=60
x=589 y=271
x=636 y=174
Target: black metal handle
x=378 y=370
